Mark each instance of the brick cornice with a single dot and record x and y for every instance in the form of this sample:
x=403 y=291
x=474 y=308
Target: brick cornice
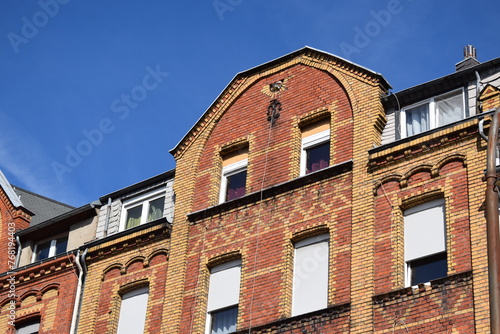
x=38 y=271
x=127 y=239
x=386 y=155
x=451 y=281
x=255 y=197
x=20 y=212
x=284 y=325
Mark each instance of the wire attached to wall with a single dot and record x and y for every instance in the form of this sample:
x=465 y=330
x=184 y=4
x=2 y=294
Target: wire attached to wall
x=257 y=242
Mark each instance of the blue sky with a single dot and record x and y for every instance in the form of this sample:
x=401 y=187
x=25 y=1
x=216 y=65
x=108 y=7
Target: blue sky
x=94 y=94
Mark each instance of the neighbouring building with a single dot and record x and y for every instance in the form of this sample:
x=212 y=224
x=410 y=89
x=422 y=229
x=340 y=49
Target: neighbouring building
x=309 y=198
x=128 y=262
x=40 y=281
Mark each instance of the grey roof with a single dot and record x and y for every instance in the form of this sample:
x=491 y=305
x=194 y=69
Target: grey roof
x=44 y=208
x=440 y=85
x=13 y=197
x=466 y=63
x=140 y=185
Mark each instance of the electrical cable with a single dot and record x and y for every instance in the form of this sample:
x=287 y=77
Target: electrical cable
x=258 y=224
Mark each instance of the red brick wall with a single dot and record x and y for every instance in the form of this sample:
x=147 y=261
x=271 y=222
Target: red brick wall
x=392 y=200
x=152 y=275
x=446 y=307
x=262 y=235
x=120 y=265
x=308 y=90
x=47 y=291
x=11 y=220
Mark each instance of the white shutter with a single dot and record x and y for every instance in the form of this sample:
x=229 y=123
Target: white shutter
x=224 y=288
x=310 y=275
x=424 y=228
x=133 y=311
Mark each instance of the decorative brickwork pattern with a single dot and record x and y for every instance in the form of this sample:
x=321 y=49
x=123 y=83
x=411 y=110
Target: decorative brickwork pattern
x=262 y=227
x=133 y=260
x=45 y=291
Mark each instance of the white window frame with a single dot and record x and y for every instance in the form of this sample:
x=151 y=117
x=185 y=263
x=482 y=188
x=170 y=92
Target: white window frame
x=231 y=287
x=433 y=112
x=139 y=311
x=309 y=142
x=52 y=248
x=314 y=295
x=430 y=232
x=143 y=200
x=227 y=171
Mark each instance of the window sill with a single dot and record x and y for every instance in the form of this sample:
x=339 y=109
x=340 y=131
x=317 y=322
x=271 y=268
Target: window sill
x=451 y=281
x=272 y=191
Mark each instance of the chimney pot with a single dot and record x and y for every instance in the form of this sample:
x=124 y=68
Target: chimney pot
x=469 y=52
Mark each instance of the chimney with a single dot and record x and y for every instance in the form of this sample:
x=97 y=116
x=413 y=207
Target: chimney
x=469 y=59
x=469 y=52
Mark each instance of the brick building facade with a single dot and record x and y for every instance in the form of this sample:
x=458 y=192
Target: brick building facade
x=308 y=199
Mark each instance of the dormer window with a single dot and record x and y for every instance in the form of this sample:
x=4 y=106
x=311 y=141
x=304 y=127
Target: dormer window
x=143 y=209
x=234 y=175
x=435 y=112
x=49 y=248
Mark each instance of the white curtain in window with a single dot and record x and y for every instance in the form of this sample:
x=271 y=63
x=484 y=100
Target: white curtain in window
x=133 y=311
x=450 y=109
x=310 y=275
x=417 y=120
x=424 y=228
x=156 y=209
x=224 y=321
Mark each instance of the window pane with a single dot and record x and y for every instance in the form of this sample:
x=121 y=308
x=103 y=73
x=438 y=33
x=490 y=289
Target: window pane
x=428 y=268
x=42 y=251
x=31 y=328
x=134 y=216
x=224 y=321
x=318 y=157
x=61 y=245
x=417 y=120
x=449 y=108
x=236 y=185
x=156 y=209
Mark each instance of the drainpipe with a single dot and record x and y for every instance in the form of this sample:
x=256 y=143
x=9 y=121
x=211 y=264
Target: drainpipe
x=18 y=255
x=492 y=228
x=106 y=223
x=78 y=297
